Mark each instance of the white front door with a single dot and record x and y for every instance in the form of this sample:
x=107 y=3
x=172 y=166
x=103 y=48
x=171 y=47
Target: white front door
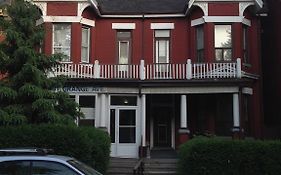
x=124 y=132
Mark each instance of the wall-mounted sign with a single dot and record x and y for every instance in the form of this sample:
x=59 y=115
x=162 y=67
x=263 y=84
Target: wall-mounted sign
x=81 y=89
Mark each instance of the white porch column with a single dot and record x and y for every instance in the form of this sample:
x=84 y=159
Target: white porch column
x=143 y=117
x=183 y=118
x=102 y=112
x=236 y=115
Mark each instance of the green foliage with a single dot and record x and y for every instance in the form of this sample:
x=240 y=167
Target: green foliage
x=27 y=85
x=214 y=156
x=89 y=145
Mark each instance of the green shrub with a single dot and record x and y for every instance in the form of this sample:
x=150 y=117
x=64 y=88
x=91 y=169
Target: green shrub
x=87 y=144
x=213 y=156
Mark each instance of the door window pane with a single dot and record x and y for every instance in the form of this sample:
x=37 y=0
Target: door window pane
x=112 y=125
x=123 y=52
x=62 y=40
x=127 y=135
x=50 y=168
x=127 y=117
x=15 y=168
x=127 y=126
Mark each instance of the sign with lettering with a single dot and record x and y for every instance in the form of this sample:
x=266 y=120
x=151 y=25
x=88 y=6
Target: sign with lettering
x=81 y=89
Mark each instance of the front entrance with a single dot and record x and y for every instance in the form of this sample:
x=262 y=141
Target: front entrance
x=162 y=126
x=124 y=132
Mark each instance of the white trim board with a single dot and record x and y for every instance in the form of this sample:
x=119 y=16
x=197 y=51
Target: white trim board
x=66 y=19
x=221 y=19
x=123 y=26
x=162 y=26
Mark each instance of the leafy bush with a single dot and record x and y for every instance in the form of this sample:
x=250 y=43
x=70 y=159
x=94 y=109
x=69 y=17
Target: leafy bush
x=203 y=156
x=87 y=144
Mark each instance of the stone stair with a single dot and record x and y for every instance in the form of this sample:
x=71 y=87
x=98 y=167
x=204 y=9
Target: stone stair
x=160 y=166
x=121 y=166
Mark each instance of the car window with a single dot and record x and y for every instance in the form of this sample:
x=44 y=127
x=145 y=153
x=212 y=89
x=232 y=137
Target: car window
x=51 y=168
x=15 y=168
x=83 y=167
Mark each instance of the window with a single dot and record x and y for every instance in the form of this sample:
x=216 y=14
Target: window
x=15 y=168
x=223 y=43
x=162 y=46
x=127 y=126
x=123 y=47
x=85 y=45
x=62 y=40
x=124 y=100
x=87 y=106
x=200 y=43
x=245 y=45
x=50 y=168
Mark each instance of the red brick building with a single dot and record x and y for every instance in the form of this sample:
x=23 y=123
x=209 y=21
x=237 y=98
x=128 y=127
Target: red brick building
x=154 y=73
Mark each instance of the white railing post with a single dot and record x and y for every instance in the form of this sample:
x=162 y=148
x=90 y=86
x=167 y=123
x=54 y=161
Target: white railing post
x=142 y=70
x=96 y=69
x=238 y=68
x=188 y=69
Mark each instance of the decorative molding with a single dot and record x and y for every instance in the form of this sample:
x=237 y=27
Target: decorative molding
x=66 y=19
x=87 y=22
x=197 y=22
x=162 y=26
x=221 y=19
x=81 y=7
x=123 y=26
x=243 y=6
x=203 y=6
x=42 y=6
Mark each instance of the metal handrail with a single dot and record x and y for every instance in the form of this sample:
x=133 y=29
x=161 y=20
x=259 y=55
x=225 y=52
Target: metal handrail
x=139 y=167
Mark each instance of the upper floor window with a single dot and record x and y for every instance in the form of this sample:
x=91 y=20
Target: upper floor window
x=162 y=46
x=245 y=45
x=85 y=45
x=123 y=48
x=200 y=43
x=62 y=39
x=223 y=43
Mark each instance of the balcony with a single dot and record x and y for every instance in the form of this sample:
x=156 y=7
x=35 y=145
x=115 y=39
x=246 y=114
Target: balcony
x=144 y=71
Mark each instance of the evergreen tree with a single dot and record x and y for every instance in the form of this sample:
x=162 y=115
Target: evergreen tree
x=27 y=94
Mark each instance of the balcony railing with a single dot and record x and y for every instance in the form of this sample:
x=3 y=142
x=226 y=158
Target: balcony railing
x=151 y=71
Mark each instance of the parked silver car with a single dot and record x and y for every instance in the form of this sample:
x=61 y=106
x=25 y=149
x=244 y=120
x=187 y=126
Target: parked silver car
x=37 y=162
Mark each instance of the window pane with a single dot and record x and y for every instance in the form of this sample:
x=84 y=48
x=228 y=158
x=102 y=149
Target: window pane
x=62 y=40
x=87 y=101
x=124 y=100
x=200 y=37
x=15 y=168
x=127 y=135
x=50 y=168
x=127 y=117
x=227 y=54
x=223 y=36
x=124 y=52
x=85 y=45
x=162 y=33
x=219 y=55
x=162 y=50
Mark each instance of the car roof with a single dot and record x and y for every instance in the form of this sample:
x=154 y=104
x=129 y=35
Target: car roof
x=56 y=158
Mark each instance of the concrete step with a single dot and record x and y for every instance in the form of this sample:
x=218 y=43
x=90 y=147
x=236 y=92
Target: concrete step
x=121 y=166
x=160 y=166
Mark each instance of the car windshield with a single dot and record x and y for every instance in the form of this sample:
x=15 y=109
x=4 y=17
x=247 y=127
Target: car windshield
x=83 y=167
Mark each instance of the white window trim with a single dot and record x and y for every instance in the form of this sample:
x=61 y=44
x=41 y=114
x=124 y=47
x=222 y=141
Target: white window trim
x=125 y=26
x=160 y=26
x=221 y=19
